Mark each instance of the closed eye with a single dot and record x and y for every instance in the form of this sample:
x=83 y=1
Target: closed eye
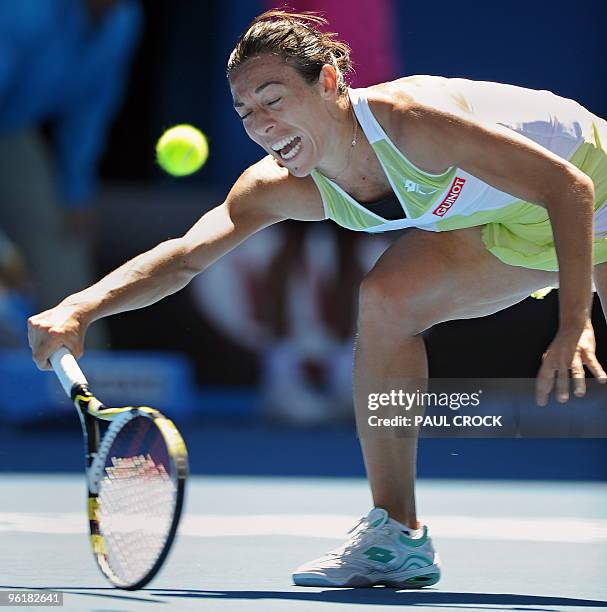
x=270 y=103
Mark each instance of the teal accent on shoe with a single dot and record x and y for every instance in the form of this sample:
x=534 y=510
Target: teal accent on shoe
x=377 y=522
x=383 y=555
x=312 y=581
x=414 y=542
x=410 y=563
x=419 y=561
x=421 y=581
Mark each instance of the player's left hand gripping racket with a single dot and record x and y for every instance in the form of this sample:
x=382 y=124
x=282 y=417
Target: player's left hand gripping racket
x=136 y=481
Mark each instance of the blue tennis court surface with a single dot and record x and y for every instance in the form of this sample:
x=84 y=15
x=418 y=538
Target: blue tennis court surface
x=504 y=545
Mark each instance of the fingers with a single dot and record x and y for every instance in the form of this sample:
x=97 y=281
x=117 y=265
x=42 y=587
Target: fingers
x=591 y=362
x=551 y=377
x=77 y=349
x=579 y=377
x=544 y=383
x=559 y=359
x=42 y=350
x=556 y=376
x=44 y=340
x=562 y=384
x=40 y=354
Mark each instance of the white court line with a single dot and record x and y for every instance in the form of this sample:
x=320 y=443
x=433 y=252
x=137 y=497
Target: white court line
x=334 y=526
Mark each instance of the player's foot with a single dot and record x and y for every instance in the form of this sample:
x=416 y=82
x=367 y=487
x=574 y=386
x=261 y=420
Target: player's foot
x=379 y=551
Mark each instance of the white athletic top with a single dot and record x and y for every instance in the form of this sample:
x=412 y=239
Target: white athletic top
x=430 y=201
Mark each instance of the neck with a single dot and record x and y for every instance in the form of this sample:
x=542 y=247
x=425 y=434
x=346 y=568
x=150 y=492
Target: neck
x=338 y=160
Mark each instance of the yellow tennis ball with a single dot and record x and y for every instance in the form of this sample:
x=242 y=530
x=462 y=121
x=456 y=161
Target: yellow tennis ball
x=182 y=150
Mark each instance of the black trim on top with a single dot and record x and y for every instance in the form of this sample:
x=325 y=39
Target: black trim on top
x=388 y=208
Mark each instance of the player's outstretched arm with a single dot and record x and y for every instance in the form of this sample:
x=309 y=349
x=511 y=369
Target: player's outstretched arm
x=263 y=195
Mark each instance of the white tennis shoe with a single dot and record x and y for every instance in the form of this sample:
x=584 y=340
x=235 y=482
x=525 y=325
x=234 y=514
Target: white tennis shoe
x=379 y=551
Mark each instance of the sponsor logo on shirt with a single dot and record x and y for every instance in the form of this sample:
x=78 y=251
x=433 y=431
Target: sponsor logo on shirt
x=450 y=198
x=412 y=186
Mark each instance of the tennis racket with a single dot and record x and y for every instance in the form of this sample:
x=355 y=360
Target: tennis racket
x=136 y=479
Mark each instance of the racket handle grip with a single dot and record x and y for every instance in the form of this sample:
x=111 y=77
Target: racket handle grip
x=67 y=370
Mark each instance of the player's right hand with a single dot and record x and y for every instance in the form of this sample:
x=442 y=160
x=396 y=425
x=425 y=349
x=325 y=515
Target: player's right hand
x=52 y=329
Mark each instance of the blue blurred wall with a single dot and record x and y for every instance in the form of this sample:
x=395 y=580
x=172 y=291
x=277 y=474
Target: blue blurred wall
x=544 y=44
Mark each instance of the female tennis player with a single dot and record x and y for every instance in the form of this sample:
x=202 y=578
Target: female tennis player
x=504 y=185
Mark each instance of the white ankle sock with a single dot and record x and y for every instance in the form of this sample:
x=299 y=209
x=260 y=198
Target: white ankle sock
x=413 y=533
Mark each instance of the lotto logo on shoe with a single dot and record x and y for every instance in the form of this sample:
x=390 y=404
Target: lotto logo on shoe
x=383 y=555
x=450 y=198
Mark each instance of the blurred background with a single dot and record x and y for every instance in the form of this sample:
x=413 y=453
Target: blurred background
x=261 y=343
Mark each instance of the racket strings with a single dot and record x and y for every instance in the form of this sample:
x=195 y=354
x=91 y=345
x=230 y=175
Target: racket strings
x=137 y=497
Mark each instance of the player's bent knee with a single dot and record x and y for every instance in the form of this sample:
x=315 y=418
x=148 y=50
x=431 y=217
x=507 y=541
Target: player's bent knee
x=392 y=304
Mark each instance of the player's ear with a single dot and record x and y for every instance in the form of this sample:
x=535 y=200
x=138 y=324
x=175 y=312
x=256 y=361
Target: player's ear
x=327 y=81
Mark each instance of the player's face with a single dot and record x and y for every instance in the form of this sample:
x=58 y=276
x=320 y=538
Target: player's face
x=281 y=112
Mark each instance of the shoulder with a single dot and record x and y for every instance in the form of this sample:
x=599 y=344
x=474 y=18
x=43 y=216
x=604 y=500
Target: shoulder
x=414 y=112
x=406 y=98
x=269 y=189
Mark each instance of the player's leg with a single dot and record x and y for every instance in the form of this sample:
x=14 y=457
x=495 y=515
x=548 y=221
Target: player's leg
x=423 y=279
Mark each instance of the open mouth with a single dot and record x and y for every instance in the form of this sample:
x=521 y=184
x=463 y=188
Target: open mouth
x=288 y=148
